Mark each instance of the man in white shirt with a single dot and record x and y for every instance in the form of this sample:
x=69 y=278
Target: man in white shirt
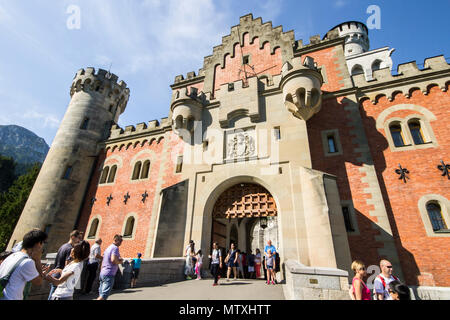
x=381 y=283
x=30 y=268
x=95 y=258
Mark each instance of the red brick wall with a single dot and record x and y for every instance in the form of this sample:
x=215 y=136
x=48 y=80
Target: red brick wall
x=425 y=260
x=346 y=168
x=329 y=59
x=113 y=216
x=261 y=59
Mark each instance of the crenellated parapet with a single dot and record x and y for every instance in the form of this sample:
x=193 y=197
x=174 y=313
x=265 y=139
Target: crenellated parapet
x=301 y=85
x=141 y=129
x=104 y=83
x=255 y=28
x=238 y=100
x=409 y=77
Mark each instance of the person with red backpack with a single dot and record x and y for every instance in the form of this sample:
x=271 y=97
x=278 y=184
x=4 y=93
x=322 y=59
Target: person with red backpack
x=381 y=283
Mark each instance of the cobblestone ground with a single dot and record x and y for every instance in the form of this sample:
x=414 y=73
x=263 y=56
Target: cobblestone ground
x=200 y=290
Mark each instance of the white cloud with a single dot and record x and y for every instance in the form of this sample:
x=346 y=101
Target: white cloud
x=340 y=3
x=45 y=120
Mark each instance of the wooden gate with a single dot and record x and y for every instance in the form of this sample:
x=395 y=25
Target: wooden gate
x=245 y=201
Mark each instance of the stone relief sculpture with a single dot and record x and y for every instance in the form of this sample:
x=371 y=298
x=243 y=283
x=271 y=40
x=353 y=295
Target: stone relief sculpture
x=239 y=145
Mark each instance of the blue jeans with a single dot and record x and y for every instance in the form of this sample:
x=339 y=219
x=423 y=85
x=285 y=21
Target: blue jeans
x=53 y=287
x=106 y=285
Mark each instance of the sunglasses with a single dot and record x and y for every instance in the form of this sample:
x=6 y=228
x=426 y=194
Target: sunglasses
x=389 y=267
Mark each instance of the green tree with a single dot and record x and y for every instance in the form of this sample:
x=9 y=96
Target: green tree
x=12 y=203
x=7 y=176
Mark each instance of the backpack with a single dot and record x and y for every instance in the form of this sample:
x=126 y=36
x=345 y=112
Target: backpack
x=384 y=285
x=5 y=279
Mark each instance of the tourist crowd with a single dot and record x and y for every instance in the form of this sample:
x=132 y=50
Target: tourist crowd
x=21 y=268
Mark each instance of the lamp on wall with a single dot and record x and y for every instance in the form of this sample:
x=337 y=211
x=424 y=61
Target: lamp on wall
x=263 y=222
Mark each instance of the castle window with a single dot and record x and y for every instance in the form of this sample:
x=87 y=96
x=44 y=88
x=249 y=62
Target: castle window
x=416 y=132
x=93 y=229
x=112 y=174
x=129 y=227
x=245 y=59
x=376 y=65
x=104 y=175
x=145 y=170
x=397 y=136
x=231 y=87
x=137 y=171
x=331 y=144
x=435 y=215
x=85 y=124
x=67 y=173
x=179 y=164
x=357 y=69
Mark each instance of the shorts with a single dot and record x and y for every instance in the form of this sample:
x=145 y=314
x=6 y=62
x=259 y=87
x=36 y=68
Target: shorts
x=135 y=273
x=269 y=267
x=231 y=264
x=106 y=285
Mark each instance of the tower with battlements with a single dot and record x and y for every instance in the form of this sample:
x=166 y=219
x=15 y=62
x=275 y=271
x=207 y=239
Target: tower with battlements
x=97 y=101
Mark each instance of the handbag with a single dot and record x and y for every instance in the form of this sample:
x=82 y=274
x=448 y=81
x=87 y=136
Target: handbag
x=5 y=279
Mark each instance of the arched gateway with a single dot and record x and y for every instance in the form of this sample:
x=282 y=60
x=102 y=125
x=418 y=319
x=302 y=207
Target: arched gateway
x=246 y=214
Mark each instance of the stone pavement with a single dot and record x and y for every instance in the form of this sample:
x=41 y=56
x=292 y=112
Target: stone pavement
x=200 y=290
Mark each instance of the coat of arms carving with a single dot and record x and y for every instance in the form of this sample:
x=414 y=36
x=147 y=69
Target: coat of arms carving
x=240 y=145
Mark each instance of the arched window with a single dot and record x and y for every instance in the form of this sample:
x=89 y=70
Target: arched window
x=376 y=65
x=397 y=136
x=435 y=214
x=416 y=132
x=129 y=227
x=357 y=69
x=137 y=170
x=145 y=169
x=104 y=175
x=93 y=230
x=112 y=174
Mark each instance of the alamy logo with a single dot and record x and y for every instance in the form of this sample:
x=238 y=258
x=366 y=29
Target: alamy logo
x=374 y=21
x=74 y=20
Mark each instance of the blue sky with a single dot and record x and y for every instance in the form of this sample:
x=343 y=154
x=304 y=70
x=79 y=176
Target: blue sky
x=149 y=42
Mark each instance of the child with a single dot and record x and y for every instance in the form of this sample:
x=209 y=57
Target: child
x=136 y=266
x=270 y=266
x=198 y=265
x=70 y=274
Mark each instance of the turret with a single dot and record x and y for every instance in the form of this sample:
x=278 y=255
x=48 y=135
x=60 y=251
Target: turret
x=186 y=109
x=301 y=83
x=356 y=37
x=55 y=201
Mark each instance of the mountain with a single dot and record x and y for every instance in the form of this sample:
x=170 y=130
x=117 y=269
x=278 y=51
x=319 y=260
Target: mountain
x=24 y=146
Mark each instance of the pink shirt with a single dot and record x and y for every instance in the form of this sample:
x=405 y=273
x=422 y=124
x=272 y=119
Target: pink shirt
x=365 y=294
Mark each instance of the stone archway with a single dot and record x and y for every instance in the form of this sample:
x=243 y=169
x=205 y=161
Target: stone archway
x=236 y=209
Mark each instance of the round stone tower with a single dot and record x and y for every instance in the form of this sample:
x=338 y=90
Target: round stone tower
x=97 y=100
x=356 y=36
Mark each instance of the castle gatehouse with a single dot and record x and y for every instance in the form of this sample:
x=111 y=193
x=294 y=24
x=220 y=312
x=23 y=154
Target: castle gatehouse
x=318 y=147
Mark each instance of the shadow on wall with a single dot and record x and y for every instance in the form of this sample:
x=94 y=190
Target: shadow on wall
x=358 y=134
